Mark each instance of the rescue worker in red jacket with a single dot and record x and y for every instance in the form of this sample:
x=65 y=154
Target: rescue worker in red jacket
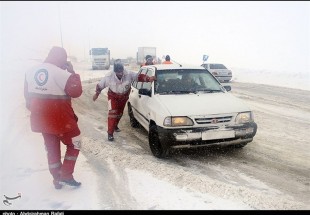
x=119 y=84
x=167 y=60
x=48 y=89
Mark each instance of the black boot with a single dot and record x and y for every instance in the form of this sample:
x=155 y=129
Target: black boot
x=117 y=129
x=110 y=137
x=71 y=182
x=57 y=185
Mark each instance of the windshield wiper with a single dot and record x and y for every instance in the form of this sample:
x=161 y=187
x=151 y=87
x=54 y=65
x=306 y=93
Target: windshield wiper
x=163 y=93
x=185 y=91
x=208 y=90
x=177 y=92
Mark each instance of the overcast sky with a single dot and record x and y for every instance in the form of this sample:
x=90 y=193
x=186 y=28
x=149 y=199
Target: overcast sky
x=254 y=35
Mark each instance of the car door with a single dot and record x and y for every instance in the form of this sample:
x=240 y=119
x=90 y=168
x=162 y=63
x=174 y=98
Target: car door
x=134 y=95
x=143 y=101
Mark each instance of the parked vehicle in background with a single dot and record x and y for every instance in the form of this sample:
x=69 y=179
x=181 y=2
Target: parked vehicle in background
x=219 y=71
x=143 y=52
x=100 y=58
x=187 y=107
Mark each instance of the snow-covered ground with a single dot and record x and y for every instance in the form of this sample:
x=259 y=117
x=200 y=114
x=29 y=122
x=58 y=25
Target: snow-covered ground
x=291 y=79
x=23 y=161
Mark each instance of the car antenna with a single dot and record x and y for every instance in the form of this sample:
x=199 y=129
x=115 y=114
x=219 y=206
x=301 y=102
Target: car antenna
x=176 y=62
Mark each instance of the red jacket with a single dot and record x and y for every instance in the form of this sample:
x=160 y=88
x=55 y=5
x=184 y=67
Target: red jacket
x=48 y=90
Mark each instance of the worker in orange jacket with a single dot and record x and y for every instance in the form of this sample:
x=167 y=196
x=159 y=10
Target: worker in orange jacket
x=167 y=60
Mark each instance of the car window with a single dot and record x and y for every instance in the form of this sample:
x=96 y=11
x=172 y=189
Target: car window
x=185 y=81
x=145 y=85
x=148 y=85
x=217 y=66
x=139 y=83
x=135 y=82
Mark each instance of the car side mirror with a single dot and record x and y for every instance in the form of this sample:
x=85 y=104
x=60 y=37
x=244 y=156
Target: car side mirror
x=145 y=92
x=227 y=88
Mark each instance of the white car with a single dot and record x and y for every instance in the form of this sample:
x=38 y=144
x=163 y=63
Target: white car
x=219 y=71
x=177 y=113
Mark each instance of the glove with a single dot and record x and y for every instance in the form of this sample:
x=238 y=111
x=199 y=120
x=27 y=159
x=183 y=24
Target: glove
x=152 y=78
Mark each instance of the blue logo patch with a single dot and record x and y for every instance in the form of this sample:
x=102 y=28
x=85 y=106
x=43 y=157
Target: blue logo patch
x=41 y=77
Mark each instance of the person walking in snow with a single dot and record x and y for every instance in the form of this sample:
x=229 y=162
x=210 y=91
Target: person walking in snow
x=119 y=83
x=48 y=89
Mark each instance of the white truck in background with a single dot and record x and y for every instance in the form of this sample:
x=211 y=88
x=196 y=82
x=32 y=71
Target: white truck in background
x=143 y=52
x=100 y=58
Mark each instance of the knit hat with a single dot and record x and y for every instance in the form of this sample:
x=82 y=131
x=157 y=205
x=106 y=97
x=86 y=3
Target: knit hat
x=118 y=66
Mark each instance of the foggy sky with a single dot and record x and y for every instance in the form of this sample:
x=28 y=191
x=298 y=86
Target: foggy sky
x=255 y=35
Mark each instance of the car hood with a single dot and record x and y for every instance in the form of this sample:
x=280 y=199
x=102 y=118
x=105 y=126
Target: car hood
x=202 y=104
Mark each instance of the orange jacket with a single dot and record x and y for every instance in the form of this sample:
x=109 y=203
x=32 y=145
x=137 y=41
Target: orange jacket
x=167 y=62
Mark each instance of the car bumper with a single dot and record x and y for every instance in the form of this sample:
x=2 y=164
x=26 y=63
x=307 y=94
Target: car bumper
x=223 y=78
x=197 y=137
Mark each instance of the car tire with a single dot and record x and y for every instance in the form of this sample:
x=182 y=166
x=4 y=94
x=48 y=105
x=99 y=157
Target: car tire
x=158 y=149
x=133 y=122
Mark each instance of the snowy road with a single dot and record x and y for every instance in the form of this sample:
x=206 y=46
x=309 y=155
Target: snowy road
x=272 y=172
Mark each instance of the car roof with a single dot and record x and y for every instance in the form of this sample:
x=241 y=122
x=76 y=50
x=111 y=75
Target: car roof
x=173 y=66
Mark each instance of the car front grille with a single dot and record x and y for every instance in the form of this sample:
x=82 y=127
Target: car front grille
x=213 y=120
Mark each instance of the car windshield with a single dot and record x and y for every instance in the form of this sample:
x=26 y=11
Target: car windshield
x=99 y=51
x=185 y=81
x=217 y=66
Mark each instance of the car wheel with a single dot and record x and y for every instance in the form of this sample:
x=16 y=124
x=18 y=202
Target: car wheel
x=133 y=122
x=158 y=149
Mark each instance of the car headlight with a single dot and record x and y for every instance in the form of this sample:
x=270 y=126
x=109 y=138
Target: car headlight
x=178 y=121
x=244 y=117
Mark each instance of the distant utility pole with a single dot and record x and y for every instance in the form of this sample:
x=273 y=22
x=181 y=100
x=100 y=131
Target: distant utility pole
x=89 y=38
x=59 y=16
